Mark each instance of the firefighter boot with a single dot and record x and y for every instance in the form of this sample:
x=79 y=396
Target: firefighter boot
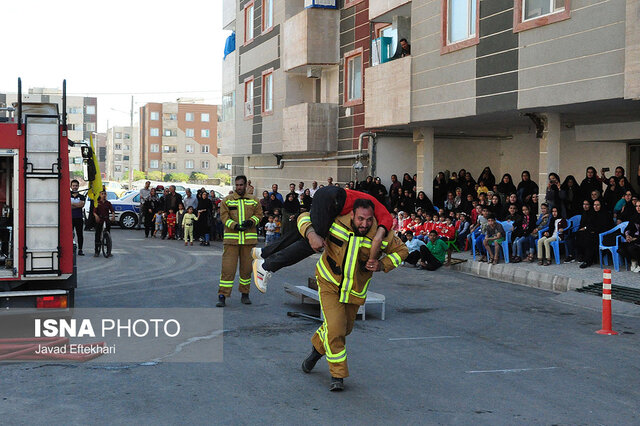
x=310 y=361
x=245 y=299
x=220 y=303
x=337 y=384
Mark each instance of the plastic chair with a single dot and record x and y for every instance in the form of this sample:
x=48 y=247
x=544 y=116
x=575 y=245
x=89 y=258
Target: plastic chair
x=474 y=235
x=453 y=244
x=508 y=230
x=576 y=222
x=555 y=245
x=612 y=249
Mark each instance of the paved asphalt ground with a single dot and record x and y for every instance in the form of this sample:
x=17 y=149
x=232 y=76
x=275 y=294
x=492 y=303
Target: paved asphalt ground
x=454 y=349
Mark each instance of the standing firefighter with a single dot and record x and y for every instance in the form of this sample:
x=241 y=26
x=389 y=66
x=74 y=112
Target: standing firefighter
x=240 y=214
x=343 y=273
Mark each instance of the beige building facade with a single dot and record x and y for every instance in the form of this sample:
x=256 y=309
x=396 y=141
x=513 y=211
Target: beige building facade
x=122 y=152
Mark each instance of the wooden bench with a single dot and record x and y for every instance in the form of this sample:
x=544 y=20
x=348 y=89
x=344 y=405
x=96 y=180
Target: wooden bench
x=309 y=294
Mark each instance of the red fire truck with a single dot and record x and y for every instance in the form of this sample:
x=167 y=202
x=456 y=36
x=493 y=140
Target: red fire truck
x=37 y=254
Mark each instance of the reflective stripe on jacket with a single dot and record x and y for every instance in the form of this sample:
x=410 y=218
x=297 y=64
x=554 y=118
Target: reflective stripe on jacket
x=233 y=211
x=345 y=256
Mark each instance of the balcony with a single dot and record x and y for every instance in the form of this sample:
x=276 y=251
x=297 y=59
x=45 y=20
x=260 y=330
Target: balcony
x=311 y=39
x=228 y=14
x=379 y=9
x=388 y=89
x=310 y=127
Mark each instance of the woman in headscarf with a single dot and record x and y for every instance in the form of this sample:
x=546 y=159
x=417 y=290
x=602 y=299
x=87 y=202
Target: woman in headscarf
x=290 y=211
x=379 y=191
x=590 y=182
x=205 y=208
x=407 y=183
x=274 y=202
x=306 y=200
x=487 y=177
x=570 y=196
x=526 y=188
x=439 y=190
x=496 y=207
x=630 y=248
x=506 y=187
x=458 y=200
x=468 y=185
x=593 y=222
x=553 y=193
x=423 y=202
x=396 y=200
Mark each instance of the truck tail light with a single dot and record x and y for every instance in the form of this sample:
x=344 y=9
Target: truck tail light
x=51 y=302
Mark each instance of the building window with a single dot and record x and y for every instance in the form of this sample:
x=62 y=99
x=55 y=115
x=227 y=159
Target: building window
x=248 y=22
x=535 y=13
x=267 y=92
x=353 y=77
x=170 y=132
x=118 y=135
x=267 y=15
x=248 y=98
x=169 y=148
x=204 y=133
x=91 y=110
x=205 y=149
x=117 y=157
x=205 y=164
x=127 y=136
x=125 y=158
x=188 y=148
x=117 y=146
x=126 y=147
x=460 y=26
x=204 y=117
x=155 y=115
x=117 y=168
x=189 y=133
x=228 y=106
x=154 y=131
x=188 y=116
x=188 y=164
x=153 y=164
x=155 y=147
x=90 y=127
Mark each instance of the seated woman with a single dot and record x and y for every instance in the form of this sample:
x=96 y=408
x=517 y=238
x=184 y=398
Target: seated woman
x=630 y=248
x=520 y=235
x=593 y=222
x=557 y=225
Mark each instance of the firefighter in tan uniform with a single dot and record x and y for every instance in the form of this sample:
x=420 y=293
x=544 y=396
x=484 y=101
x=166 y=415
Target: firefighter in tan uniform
x=240 y=214
x=343 y=274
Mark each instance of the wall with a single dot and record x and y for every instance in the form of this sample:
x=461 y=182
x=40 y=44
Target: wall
x=388 y=89
x=293 y=172
x=577 y=156
x=392 y=157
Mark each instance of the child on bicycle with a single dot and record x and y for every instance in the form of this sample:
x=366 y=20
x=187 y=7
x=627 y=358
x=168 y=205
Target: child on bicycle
x=101 y=214
x=158 y=221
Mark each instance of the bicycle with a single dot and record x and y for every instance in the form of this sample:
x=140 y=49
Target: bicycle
x=106 y=243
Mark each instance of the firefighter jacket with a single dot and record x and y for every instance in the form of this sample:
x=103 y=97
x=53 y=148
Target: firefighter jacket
x=234 y=210
x=343 y=262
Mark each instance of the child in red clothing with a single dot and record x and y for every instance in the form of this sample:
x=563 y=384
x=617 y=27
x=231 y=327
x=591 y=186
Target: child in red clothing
x=447 y=232
x=171 y=224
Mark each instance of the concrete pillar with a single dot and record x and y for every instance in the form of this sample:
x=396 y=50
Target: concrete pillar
x=424 y=140
x=549 y=151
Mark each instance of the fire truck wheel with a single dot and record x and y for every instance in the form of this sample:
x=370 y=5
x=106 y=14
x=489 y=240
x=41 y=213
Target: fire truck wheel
x=128 y=220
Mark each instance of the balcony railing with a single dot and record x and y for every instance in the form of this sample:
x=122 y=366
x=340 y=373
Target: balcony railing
x=388 y=89
x=310 y=127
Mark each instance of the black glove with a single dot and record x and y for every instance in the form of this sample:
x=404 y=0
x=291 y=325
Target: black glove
x=238 y=227
x=247 y=224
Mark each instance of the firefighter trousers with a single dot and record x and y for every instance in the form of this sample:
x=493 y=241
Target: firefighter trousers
x=230 y=257
x=330 y=339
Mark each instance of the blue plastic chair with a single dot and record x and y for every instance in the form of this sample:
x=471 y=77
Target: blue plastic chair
x=474 y=235
x=612 y=249
x=555 y=245
x=576 y=222
x=508 y=230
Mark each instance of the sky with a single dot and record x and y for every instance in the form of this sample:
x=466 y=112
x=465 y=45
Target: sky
x=156 y=51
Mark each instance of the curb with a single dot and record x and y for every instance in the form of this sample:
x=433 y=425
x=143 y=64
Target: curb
x=514 y=275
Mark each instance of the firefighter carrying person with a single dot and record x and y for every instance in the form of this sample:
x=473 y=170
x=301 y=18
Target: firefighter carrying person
x=240 y=213
x=343 y=274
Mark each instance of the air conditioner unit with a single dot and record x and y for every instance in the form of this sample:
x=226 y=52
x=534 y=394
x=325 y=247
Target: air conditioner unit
x=248 y=108
x=326 y=4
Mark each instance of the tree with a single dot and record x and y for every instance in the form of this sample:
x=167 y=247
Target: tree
x=138 y=175
x=176 y=177
x=195 y=176
x=156 y=175
x=77 y=174
x=225 y=179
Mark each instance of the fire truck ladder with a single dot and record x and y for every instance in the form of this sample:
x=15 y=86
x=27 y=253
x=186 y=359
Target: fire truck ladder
x=42 y=172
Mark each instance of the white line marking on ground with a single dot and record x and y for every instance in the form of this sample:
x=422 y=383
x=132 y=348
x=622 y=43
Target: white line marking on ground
x=425 y=338
x=511 y=370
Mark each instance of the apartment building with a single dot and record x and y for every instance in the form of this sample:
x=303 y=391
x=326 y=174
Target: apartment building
x=100 y=144
x=539 y=85
x=179 y=137
x=293 y=89
x=81 y=116
x=122 y=152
